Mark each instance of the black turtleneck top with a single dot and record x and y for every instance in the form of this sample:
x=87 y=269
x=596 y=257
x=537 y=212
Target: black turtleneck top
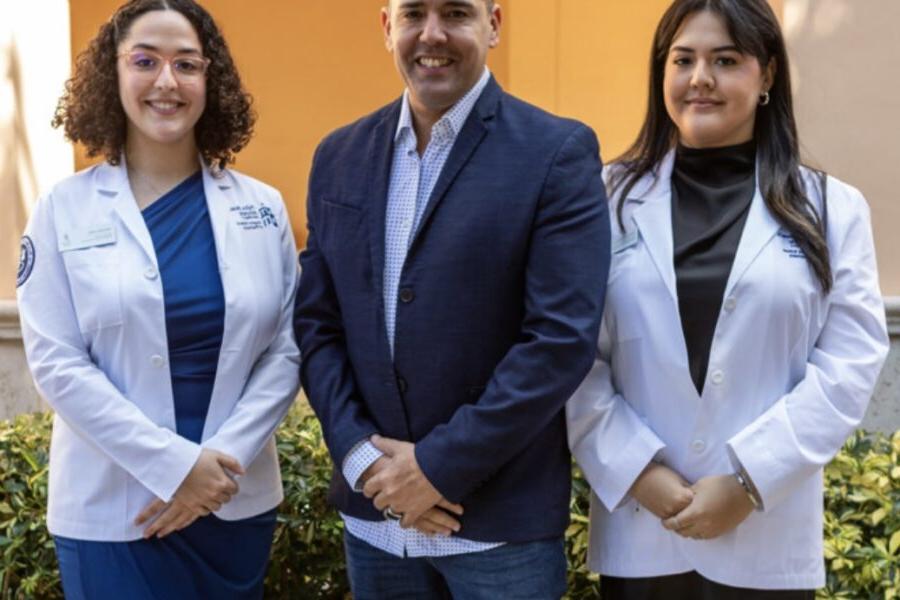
x=711 y=193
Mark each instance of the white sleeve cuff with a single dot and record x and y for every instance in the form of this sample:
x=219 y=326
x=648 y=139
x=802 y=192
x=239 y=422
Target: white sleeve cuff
x=360 y=458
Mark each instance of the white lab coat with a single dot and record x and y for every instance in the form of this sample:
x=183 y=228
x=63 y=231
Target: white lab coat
x=93 y=323
x=790 y=374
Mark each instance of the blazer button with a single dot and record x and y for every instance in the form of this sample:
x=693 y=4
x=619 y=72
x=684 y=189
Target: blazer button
x=407 y=295
x=401 y=384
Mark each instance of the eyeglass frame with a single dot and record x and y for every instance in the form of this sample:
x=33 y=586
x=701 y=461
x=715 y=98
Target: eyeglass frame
x=164 y=60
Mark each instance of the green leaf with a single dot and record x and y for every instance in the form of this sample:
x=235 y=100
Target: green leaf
x=894 y=543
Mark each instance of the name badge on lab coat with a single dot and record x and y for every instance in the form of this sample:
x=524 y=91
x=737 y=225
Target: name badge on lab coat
x=87 y=237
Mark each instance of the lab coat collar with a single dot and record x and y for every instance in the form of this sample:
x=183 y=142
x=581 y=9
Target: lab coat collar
x=112 y=181
x=653 y=217
x=652 y=214
x=216 y=187
x=760 y=227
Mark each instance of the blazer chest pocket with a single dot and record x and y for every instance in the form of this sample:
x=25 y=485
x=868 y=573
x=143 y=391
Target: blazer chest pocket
x=94 y=282
x=338 y=225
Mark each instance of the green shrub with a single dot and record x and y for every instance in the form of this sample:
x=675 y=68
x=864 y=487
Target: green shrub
x=862 y=519
x=308 y=552
x=27 y=561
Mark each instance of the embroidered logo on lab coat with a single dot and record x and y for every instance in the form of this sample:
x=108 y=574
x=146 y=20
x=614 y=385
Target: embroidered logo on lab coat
x=267 y=216
x=26 y=261
x=250 y=217
x=789 y=245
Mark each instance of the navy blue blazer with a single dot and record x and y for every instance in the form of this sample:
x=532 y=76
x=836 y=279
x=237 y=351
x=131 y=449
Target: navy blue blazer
x=498 y=313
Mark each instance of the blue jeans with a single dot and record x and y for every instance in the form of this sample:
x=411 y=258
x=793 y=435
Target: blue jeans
x=528 y=571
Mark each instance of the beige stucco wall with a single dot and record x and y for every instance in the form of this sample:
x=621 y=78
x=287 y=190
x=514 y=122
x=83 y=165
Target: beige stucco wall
x=17 y=393
x=34 y=64
x=846 y=62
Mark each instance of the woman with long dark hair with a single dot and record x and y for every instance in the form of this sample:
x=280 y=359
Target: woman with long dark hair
x=743 y=334
x=156 y=290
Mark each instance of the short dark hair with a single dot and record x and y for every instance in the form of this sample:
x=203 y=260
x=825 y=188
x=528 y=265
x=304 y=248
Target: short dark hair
x=90 y=111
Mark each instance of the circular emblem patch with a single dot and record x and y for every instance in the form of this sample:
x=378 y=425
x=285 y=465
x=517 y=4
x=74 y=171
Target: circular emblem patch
x=26 y=261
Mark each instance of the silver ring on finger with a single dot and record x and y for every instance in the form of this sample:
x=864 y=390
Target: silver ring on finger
x=391 y=515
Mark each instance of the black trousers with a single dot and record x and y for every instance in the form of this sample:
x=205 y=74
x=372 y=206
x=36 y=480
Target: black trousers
x=688 y=586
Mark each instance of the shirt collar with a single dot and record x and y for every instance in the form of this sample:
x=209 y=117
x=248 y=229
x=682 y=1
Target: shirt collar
x=455 y=118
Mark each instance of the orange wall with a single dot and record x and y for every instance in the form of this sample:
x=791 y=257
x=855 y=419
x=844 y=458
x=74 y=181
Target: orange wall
x=311 y=68
x=587 y=59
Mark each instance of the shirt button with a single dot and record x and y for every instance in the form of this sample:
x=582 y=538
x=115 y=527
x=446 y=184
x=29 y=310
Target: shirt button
x=157 y=361
x=406 y=295
x=151 y=273
x=717 y=377
x=730 y=304
x=698 y=446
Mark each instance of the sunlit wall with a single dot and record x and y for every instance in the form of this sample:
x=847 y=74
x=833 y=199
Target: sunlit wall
x=846 y=62
x=34 y=63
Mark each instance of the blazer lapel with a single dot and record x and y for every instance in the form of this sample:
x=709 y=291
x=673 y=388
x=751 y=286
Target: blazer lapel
x=467 y=141
x=113 y=182
x=654 y=220
x=759 y=229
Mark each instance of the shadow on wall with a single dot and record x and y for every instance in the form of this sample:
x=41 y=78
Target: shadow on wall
x=18 y=181
x=845 y=56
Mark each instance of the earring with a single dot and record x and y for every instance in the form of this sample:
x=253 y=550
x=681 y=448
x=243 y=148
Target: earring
x=764 y=99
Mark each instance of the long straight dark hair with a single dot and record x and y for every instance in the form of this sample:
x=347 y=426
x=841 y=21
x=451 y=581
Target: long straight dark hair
x=755 y=32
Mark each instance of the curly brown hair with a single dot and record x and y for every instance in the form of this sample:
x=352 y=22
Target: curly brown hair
x=90 y=111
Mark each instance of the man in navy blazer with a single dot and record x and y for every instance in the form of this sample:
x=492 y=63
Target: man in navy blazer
x=449 y=304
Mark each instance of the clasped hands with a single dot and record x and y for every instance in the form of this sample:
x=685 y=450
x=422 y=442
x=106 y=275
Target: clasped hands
x=395 y=481
x=208 y=485
x=711 y=507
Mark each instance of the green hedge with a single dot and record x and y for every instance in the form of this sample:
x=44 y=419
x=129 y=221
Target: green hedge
x=862 y=520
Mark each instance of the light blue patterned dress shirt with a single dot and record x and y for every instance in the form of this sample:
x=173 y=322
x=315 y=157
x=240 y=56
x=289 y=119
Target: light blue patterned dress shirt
x=412 y=181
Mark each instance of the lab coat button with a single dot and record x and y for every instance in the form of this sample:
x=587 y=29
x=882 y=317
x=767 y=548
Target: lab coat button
x=730 y=303
x=717 y=377
x=151 y=273
x=157 y=361
x=698 y=446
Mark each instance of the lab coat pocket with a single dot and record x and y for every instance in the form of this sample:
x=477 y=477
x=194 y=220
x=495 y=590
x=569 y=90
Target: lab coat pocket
x=94 y=282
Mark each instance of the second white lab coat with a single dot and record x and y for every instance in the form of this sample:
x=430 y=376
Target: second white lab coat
x=791 y=371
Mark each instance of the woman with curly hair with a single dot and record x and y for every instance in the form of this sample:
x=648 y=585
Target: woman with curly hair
x=156 y=291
